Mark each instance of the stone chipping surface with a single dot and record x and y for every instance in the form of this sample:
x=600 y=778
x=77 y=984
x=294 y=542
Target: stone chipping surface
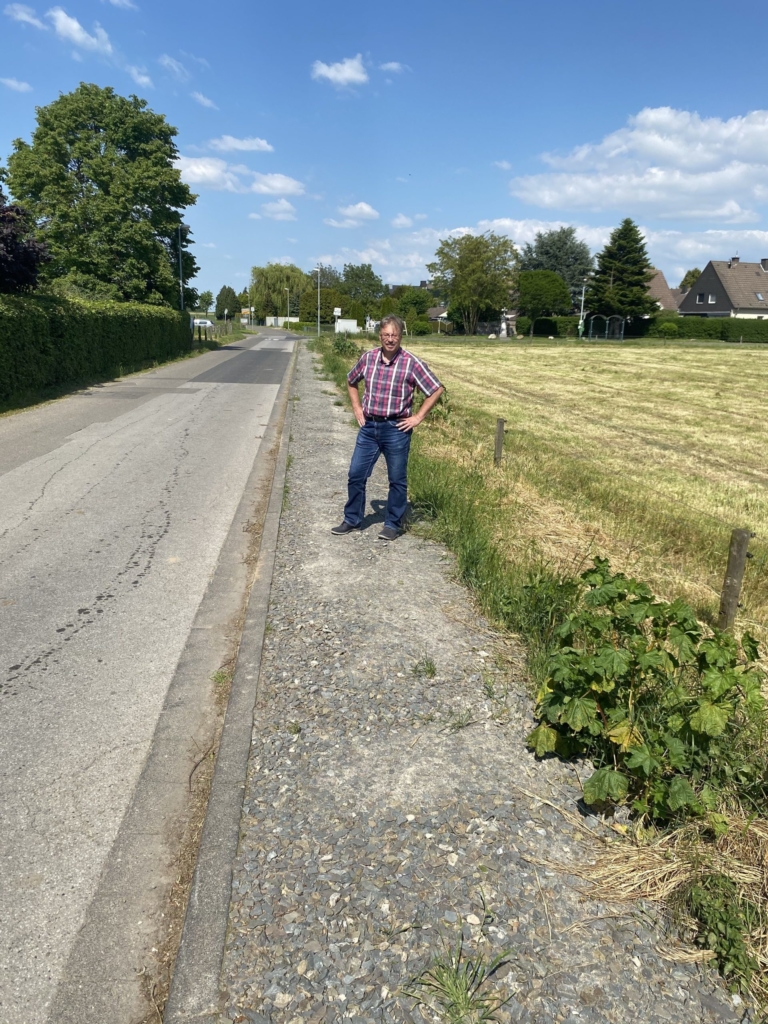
x=390 y=813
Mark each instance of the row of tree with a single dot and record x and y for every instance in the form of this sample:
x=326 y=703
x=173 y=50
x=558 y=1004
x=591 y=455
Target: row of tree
x=478 y=276
x=481 y=275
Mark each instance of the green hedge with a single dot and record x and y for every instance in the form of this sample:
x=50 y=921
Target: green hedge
x=47 y=341
x=722 y=328
x=546 y=326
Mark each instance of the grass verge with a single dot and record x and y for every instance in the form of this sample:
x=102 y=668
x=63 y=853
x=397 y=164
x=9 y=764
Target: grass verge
x=702 y=849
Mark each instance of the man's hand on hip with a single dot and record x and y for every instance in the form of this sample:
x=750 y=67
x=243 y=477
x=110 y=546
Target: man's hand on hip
x=408 y=423
x=360 y=417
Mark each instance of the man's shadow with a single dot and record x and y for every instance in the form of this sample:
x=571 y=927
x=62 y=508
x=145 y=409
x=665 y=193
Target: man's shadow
x=377 y=515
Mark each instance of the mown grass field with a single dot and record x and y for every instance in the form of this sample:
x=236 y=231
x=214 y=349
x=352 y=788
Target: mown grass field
x=648 y=453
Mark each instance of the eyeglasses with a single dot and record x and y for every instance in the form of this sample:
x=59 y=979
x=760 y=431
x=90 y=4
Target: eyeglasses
x=389 y=337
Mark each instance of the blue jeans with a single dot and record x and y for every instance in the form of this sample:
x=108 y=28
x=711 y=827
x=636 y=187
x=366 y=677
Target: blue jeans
x=375 y=439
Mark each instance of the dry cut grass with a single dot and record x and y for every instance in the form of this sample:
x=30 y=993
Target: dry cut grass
x=648 y=454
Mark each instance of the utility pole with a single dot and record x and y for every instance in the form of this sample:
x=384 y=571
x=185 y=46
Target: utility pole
x=288 y=308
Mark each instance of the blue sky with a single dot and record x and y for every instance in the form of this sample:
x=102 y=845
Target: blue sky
x=354 y=132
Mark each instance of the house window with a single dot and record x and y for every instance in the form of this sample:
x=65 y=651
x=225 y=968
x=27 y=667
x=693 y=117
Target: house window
x=759 y=296
x=700 y=298
x=712 y=299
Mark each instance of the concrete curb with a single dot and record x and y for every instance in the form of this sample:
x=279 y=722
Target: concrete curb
x=194 y=994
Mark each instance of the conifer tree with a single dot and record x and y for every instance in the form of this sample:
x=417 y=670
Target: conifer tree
x=620 y=284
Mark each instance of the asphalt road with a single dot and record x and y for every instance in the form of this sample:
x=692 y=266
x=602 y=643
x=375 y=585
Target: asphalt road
x=114 y=507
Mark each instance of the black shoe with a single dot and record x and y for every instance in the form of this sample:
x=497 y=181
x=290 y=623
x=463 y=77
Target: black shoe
x=389 y=533
x=343 y=528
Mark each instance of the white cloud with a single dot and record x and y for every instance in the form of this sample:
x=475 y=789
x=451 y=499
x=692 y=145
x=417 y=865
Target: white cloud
x=175 y=67
x=401 y=221
x=665 y=163
x=16 y=85
x=522 y=231
x=140 y=76
x=254 y=216
x=210 y=171
x=207 y=245
x=281 y=209
x=204 y=101
x=125 y=4
x=349 y=71
x=213 y=172
x=392 y=65
x=228 y=143
x=25 y=15
x=276 y=185
x=360 y=211
x=71 y=31
x=505 y=165
x=354 y=215
x=199 y=60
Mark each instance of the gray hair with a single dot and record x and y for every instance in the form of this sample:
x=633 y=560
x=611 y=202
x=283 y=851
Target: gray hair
x=395 y=320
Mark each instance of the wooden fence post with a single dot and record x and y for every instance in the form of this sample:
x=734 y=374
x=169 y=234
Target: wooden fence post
x=734 y=574
x=499 y=447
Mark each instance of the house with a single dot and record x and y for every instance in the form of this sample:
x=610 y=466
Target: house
x=660 y=290
x=729 y=288
x=437 y=312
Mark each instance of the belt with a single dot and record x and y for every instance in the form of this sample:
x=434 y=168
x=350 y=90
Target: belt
x=381 y=419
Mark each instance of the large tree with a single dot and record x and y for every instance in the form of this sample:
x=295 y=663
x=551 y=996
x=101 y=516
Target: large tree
x=360 y=283
x=413 y=302
x=476 y=273
x=21 y=255
x=561 y=251
x=272 y=287
x=330 y=299
x=689 y=279
x=205 y=301
x=227 y=299
x=620 y=284
x=542 y=293
x=100 y=183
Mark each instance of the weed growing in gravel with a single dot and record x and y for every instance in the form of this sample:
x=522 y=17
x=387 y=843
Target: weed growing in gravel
x=425 y=666
x=294 y=728
x=455 y=986
x=460 y=720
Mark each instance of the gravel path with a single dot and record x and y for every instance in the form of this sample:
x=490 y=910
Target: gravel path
x=384 y=814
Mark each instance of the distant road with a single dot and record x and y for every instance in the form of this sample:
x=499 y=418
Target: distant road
x=114 y=506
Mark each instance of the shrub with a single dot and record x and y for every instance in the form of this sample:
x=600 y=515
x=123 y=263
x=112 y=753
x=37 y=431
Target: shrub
x=668 y=329
x=420 y=327
x=344 y=346
x=672 y=717
x=47 y=341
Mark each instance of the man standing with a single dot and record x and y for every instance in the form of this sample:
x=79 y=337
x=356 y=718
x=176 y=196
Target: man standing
x=386 y=420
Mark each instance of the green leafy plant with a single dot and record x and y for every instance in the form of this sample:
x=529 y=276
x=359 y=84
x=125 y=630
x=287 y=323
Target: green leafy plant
x=344 y=346
x=456 y=986
x=672 y=716
x=724 y=923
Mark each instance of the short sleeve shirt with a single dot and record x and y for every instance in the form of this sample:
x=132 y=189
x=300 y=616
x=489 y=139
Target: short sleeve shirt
x=389 y=387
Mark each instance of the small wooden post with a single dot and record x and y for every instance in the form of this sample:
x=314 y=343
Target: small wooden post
x=199 y=334
x=734 y=574
x=499 y=448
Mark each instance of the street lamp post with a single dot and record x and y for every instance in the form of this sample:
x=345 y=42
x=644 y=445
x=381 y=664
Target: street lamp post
x=181 y=274
x=581 y=314
x=288 y=307
x=317 y=268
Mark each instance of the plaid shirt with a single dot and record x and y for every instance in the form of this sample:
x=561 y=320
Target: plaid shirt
x=389 y=386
